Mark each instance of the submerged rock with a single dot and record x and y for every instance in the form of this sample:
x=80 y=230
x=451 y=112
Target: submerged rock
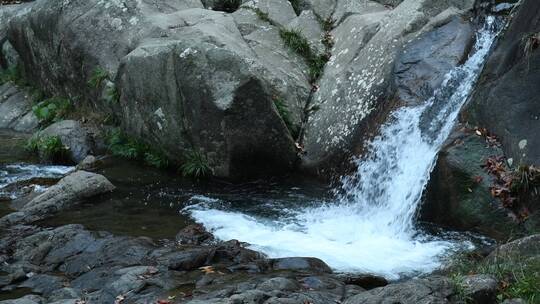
x=68 y=192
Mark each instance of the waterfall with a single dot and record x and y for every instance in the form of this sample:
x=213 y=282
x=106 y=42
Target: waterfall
x=369 y=227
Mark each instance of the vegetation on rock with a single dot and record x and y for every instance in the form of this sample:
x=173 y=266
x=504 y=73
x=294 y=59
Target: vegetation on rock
x=519 y=277
x=262 y=15
x=98 y=76
x=195 y=165
x=14 y=74
x=124 y=146
x=47 y=147
x=52 y=110
x=285 y=115
x=300 y=45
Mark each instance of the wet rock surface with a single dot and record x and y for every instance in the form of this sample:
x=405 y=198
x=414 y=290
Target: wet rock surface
x=69 y=191
x=459 y=194
x=505 y=98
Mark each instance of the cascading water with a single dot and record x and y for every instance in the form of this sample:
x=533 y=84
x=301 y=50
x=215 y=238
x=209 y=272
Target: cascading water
x=370 y=226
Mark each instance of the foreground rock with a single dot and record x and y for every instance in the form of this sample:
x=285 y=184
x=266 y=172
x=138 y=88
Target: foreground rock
x=69 y=263
x=68 y=192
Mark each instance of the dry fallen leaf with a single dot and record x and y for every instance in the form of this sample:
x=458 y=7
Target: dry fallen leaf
x=207 y=269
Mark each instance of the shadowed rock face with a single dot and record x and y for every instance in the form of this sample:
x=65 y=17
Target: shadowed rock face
x=506 y=97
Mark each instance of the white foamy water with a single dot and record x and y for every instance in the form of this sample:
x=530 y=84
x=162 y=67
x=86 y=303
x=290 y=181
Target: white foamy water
x=10 y=174
x=369 y=227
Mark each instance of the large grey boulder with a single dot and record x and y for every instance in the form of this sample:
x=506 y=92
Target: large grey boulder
x=309 y=25
x=14 y=108
x=29 y=299
x=458 y=194
x=505 y=100
x=322 y=8
x=357 y=89
x=185 y=77
x=74 y=136
x=69 y=191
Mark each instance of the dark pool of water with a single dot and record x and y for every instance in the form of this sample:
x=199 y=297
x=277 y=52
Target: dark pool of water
x=149 y=202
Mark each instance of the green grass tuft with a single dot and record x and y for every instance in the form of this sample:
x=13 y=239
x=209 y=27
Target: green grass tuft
x=300 y=45
x=156 y=159
x=460 y=290
x=48 y=147
x=195 y=165
x=295 y=40
x=52 y=109
x=97 y=78
x=285 y=114
x=262 y=15
x=124 y=146
x=14 y=74
x=114 y=94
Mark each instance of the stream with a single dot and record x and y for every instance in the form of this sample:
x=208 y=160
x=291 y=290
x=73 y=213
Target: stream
x=366 y=225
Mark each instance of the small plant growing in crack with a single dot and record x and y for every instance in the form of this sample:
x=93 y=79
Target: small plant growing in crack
x=262 y=15
x=14 y=74
x=52 y=109
x=47 y=147
x=296 y=41
x=195 y=165
x=113 y=94
x=98 y=76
